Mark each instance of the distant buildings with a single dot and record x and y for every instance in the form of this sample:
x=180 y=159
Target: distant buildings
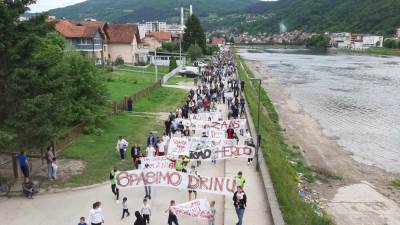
x=355 y=41
x=291 y=38
x=217 y=41
x=154 y=40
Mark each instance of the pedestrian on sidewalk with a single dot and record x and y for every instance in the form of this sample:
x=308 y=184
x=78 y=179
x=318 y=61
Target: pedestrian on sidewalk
x=240 y=179
x=211 y=221
x=239 y=202
x=171 y=214
x=114 y=187
x=96 y=214
x=195 y=173
x=146 y=211
x=82 y=221
x=125 y=208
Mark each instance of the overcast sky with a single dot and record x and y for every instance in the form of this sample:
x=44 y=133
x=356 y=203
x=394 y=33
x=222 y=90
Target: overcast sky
x=45 y=5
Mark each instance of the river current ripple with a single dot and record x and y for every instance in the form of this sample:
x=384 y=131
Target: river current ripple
x=355 y=99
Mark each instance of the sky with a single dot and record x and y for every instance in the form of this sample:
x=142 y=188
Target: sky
x=45 y=5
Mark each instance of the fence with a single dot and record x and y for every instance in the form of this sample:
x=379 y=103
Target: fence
x=123 y=105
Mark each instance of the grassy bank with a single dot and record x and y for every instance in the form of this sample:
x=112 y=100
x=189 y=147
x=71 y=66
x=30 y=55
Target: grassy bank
x=98 y=151
x=283 y=162
x=125 y=83
x=178 y=78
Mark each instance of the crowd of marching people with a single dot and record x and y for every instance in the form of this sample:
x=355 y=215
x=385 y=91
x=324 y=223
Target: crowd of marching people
x=217 y=87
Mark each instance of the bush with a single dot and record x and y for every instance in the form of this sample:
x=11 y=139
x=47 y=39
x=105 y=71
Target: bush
x=195 y=52
x=172 y=63
x=119 y=61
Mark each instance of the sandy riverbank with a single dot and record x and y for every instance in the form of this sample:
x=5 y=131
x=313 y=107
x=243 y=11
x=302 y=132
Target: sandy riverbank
x=363 y=194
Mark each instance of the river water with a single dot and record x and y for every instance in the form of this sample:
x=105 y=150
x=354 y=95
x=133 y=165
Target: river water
x=355 y=98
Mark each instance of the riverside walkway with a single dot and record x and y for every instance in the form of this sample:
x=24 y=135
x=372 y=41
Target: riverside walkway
x=66 y=207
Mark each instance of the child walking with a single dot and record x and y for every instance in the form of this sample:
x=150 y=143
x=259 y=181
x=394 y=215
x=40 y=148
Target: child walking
x=211 y=221
x=54 y=168
x=146 y=211
x=125 y=207
x=82 y=221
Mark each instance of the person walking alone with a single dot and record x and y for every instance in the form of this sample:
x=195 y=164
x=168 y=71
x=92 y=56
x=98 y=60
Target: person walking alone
x=50 y=155
x=125 y=208
x=114 y=187
x=239 y=202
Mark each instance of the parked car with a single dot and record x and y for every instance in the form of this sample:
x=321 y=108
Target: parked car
x=199 y=64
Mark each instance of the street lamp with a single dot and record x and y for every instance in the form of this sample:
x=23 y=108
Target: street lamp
x=258 y=122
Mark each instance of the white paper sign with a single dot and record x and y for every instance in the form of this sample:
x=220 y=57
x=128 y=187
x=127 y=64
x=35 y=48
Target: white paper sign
x=199 y=208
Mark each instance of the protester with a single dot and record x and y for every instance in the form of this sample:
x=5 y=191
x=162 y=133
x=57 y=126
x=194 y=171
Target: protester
x=230 y=132
x=171 y=214
x=195 y=173
x=147 y=188
x=135 y=155
x=139 y=219
x=82 y=221
x=211 y=221
x=151 y=140
x=125 y=208
x=96 y=214
x=239 y=202
x=23 y=164
x=150 y=151
x=122 y=145
x=49 y=159
x=161 y=148
x=114 y=187
x=240 y=179
x=146 y=211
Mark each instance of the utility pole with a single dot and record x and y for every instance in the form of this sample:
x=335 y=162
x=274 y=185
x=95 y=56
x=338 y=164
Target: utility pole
x=155 y=63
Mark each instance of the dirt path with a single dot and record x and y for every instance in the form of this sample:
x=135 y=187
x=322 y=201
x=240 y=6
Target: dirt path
x=336 y=171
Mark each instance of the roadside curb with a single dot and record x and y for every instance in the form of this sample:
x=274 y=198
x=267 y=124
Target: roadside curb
x=264 y=174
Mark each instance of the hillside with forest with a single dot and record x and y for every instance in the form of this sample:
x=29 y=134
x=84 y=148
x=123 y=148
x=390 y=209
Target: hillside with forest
x=138 y=10
x=357 y=16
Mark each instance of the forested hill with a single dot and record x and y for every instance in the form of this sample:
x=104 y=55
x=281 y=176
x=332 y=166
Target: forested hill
x=139 y=10
x=359 y=16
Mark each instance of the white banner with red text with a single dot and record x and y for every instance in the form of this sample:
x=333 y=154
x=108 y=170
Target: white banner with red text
x=199 y=208
x=159 y=162
x=175 y=179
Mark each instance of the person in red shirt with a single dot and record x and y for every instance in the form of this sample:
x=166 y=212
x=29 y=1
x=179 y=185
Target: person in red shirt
x=230 y=132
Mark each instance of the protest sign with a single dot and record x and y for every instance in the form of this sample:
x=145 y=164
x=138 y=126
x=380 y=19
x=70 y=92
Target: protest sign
x=160 y=162
x=224 y=152
x=175 y=179
x=178 y=146
x=224 y=125
x=199 y=208
x=206 y=116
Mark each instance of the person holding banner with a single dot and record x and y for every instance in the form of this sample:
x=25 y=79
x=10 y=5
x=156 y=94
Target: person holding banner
x=171 y=214
x=195 y=173
x=239 y=202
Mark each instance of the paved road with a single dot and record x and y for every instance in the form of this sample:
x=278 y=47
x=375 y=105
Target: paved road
x=66 y=208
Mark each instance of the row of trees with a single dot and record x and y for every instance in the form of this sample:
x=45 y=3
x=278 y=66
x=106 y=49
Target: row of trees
x=318 y=41
x=391 y=43
x=43 y=88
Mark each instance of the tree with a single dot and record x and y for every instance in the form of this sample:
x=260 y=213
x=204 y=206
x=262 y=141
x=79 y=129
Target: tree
x=317 y=41
x=43 y=89
x=172 y=63
x=170 y=47
x=195 y=52
x=194 y=34
x=119 y=61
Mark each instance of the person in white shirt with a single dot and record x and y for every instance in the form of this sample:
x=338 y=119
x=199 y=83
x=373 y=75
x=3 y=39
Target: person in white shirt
x=146 y=211
x=96 y=214
x=165 y=138
x=161 y=148
x=150 y=151
x=195 y=173
x=122 y=145
x=125 y=207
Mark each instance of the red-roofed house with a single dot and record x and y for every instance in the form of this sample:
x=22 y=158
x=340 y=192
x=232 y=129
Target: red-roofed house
x=123 y=41
x=87 y=39
x=217 y=41
x=154 y=40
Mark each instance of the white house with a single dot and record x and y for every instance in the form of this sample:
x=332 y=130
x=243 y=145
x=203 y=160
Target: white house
x=163 y=58
x=372 y=41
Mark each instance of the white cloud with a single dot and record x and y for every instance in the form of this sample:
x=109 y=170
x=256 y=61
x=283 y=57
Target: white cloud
x=45 y=5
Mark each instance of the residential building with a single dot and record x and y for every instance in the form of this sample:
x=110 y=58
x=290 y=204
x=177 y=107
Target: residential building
x=157 y=26
x=163 y=58
x=217 y=41
x=363 y=41
x=154 y=40
x=86 y=39
x=123 y=41
x=341 y=40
